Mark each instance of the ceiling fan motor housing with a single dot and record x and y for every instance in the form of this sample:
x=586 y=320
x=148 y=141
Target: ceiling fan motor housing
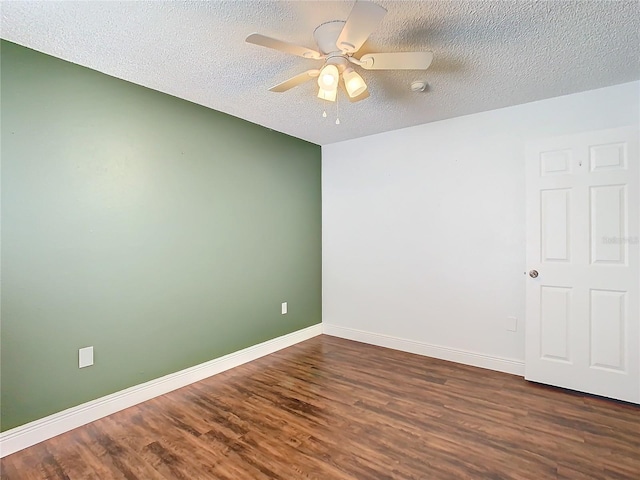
x=326 y=36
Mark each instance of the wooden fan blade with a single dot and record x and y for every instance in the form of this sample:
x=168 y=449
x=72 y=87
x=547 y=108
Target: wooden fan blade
x=264 y=41
x=363 y=20
x=397 y=61
x=295 y=81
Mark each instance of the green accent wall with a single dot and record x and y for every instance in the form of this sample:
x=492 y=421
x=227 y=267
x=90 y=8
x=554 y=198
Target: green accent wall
x=161 y=232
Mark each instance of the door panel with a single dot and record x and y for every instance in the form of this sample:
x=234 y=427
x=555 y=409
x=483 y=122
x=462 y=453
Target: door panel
x=555 y=216
x=555 y=162
x=608 y=224
x=608 y=157
x=607 y=332
x=583 y=217
x=555 y=318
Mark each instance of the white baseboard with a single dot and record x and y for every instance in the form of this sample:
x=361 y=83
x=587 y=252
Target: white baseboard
x=499 y=364
x=39 y=430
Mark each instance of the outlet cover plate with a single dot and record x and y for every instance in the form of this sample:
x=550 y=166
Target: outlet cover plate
x=85 y=357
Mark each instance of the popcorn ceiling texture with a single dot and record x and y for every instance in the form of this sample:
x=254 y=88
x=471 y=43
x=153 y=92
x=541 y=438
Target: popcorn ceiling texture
x=488 y=54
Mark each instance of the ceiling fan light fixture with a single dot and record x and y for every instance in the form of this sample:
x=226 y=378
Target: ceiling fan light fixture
x=337 y=42
x=327 y=94
x=353 y=82
x=328 y=78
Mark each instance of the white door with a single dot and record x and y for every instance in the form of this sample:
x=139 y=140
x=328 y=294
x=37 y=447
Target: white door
x=583 y=215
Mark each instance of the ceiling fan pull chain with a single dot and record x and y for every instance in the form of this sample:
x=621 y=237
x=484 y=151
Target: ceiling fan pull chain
x=338 y=110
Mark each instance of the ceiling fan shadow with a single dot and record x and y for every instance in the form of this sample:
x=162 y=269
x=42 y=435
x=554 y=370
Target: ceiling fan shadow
x=486 y=26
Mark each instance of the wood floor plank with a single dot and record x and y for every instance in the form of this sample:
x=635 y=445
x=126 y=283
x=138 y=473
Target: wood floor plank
x=333 y=409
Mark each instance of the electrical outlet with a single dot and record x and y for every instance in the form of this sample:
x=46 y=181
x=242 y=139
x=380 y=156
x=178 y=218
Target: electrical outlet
x=85 y=357
x=284 y=308
x=512 y=324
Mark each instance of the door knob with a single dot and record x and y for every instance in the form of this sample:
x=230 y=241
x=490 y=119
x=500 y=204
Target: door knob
x=533 y=273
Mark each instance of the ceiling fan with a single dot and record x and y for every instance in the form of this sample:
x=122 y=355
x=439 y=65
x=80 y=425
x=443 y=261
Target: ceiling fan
x=337 y=42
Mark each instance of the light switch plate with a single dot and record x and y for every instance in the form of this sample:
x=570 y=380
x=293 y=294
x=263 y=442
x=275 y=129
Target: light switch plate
x=512 y=324
x=284 y=308
x=85 y=357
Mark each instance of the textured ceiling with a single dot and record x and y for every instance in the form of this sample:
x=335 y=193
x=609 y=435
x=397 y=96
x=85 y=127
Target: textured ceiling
x=488 y=54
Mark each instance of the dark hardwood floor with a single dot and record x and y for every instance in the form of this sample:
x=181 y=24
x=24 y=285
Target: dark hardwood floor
x=330 y=408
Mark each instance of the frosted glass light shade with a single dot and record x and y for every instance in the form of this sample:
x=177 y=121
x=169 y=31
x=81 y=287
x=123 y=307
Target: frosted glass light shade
x=329 y=77
x=327 y=94
x=353 y=83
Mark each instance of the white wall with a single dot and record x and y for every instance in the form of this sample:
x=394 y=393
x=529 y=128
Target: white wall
x=424 y=228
